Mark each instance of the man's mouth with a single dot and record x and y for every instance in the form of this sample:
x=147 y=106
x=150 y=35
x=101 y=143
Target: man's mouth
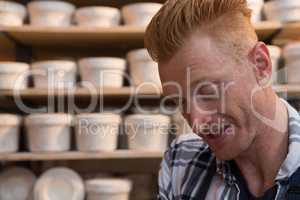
x=217 y=130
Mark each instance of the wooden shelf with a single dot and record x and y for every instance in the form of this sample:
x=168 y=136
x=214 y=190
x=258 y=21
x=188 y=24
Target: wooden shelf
x=290 y=32
x=115 y=3
x=116 y=92
x=267 y=29
x=290 y=90
x=81 y=92
x=76 y=36
x=119 y=37
x=73 y=155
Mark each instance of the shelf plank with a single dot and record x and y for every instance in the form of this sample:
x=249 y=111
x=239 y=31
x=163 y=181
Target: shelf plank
x=81 y=92
x=122 y=36
x=76 y=36
x=119 y=155
x=290 y=32
x=116 y=92
x=115 y=3
x=266 y=29
x=290 y=90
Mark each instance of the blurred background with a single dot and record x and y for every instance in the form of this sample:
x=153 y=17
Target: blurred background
x=81 y=110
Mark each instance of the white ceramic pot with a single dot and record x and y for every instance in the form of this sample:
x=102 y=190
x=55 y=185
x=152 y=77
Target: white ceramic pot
x=16 y=184
x=145 y=110
x=283 y=10
x=59 y=184
x=108 y=189
x=9 y=133
x=147 y=132
x=54 y=74
x=12 y=13
x=292 y=60
x=143 y=69
x=102 y=71
x=98 y=16
x=140 y=14
x=9 y=19
x=256 y=6
x=275 y=54
x=13 y=75
x=50 y=13
x=144 y=186
x=48 y=132
x=97 y=132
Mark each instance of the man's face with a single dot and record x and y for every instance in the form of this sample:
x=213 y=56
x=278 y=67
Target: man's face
x=216 y=91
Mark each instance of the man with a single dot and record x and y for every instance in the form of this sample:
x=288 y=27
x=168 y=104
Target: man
x=212 y=63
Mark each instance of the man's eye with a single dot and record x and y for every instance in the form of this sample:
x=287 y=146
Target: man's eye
x=208 y=98
x=208 y=90
x=208 y=93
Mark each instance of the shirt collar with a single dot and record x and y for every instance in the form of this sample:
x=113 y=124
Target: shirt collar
x=224 y=170
x=292 y=161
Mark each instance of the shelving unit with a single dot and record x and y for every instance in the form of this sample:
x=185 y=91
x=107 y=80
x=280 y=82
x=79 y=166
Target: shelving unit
x=123 y=35
x=34 y=93
x=27 y=42
x=107 y=92
x=75 y=36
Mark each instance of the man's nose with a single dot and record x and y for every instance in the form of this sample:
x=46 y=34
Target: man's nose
x=204 y=110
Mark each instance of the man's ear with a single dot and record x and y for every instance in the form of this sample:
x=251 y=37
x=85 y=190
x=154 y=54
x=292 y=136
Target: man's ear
x=261 y=60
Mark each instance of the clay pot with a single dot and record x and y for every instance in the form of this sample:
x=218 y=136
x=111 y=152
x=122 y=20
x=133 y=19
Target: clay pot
x=98 y=16
x=147 y=132
x=16 y=184
x=59 y=183
x=12 y=13
x=48 y=132
x=256 y=6
x=292 y=60
x=9 y=133
x=140 y=14
x=97 y=132
x=143 y=69
x=284 y=11
x=54 y=74
x=13 y=75
x=102 y=71
x=50 y=13
x=108 y=189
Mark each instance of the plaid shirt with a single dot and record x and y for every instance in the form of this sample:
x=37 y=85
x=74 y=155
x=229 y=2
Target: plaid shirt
x=189 y=166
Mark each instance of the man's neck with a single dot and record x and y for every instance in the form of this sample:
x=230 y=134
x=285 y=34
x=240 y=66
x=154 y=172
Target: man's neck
x=260 y=164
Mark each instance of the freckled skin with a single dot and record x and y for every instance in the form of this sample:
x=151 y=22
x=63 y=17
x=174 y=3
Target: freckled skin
x=207 y=62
